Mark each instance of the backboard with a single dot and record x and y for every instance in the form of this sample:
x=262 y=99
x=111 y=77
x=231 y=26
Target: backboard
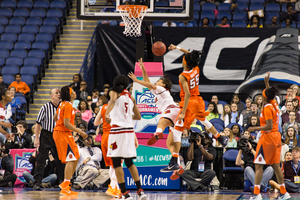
x=170 y=10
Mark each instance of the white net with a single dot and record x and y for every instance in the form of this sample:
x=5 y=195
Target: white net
x=132 y=16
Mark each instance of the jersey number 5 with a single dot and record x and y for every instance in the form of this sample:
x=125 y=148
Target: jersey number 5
x=126 y=107
x=194 y=81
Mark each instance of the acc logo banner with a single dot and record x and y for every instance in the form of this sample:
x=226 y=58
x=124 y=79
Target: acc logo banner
x=146 y=103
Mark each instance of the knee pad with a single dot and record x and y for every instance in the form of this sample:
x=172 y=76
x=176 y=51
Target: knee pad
x=116 y=162
x=177 y=135
x=128 y=162
x=206 y=123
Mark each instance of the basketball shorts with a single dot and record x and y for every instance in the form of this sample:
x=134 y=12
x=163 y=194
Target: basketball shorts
x=104 y=147
x=67 y=149
x=171 y=113
x=268 y=149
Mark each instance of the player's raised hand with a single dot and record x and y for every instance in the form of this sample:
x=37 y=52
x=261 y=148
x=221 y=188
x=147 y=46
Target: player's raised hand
x=141 y=64
x=267 y=77
x=132 y=76
x=172 y=47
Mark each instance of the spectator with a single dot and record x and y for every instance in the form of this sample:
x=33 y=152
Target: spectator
x=85 y=113
x=246 y=112
x=76 y=82
x=236 y=99
x=295 y=91
x=255 y=22
x=224 y=23
x=253 y=121
x=289 y=93
x=169 y=24
x=226 y=111
x=284 y=149
x=202 y=155
x=33 y=134
x=289 y=108
x=288 y=99
x=15 y=102
x=82 y=127
x=101 y=101
x=82 y=94
x=291 y=137
x=215 y=99
x=254 y=111
x=232 y=141
x=91 y=122
x=213 y=111
x=290 y=13
x=186 y=24
x=89 y=169
x=234 y=116
x=258 y=100
x=89 y=103
x=7 y=163
x=2 y=84
x=95 y=95
x=5 y=98
x=236 y=131
x=288 y=23
x=205 y=22
x=297 y=6
x=216 y=143
x=290 y=173
x=106 y=88
x=296 y=105
x=21 y=139
x=291 y=122
x=21 y=87
x=185 y=139
x=79 y=120
x=49 y=175
x=274 y=23
x=247 y=149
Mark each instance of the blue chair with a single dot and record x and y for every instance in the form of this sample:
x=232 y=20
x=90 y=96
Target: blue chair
x=42 y=4
x=197 y=7
x=242 y=7
x=2 y=61
x=256 y=6
x=29 y=80
x=283 y=7
x=196 y=16
x=209 y=15
x=239 y=24
x=6 y=45
x=9 y=37
x=22 y=111
x=22 y=12
x=223 y=102
x=11 y=69
x=206 y=104
x=23 y=45
x=17 y=20
x=272 y=7
x=40 y=54
x=161 y=4
x=30 y=70
x=270 y=15
x=240 y=16
x=283 y=24
x=30 y=29
x=55 y=13
x=4 y=21
x=13 y=28
x=220 y=22
x=208 y=7
x=158 y=23
x=45 y=37
x=34 y=21
x=231 y=124
x=224 y=14
x=219 y=127
x=36 y=61
x=59 y=4
x=19 y=53
x=54 y=22
x=257 y=1
x=49 y=29
x=194 y=22
x=38 y=13
x=4 y=53
x=42 y=46
x=242 y=1
x=210 y=23
x=25 y=4
x=9 y=4
x=224 y=7
x=6 y=12
x=217 y=121
x=30 y=37
x=1 y=29
x=14 y=60
x=8 y=79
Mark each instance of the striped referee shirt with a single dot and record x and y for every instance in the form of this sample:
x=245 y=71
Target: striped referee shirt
x=45 y=116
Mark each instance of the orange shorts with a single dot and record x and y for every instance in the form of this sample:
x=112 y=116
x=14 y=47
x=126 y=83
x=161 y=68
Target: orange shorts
x=268 y=149
x=67 y=149
x=104 y=147
x=195 y=109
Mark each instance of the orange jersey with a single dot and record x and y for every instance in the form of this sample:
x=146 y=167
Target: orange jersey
x=192 y=78
x=267 y=113
x=65 y=110
x=106 y=126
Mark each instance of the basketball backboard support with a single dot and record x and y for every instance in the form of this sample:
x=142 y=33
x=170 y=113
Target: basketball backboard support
x=171 y=10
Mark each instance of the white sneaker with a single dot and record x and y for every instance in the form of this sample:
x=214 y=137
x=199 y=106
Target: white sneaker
x=283 y=196
x=256 y=197
x=142 y=195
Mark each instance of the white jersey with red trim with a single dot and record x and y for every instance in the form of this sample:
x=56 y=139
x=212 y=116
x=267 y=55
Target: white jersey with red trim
x=163 y=98
x=121 y=114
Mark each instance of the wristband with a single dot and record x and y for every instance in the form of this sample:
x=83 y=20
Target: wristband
x=200 y=146
x=177 y=47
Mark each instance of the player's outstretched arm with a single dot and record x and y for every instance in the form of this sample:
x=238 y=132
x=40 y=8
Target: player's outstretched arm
x=172 y=47
x=145 y=75
x=149 y=85
x=98 y=119
x=267 y=78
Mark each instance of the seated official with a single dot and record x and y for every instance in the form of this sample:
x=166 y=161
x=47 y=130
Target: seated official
x=246 y=148
x=7 y=179
x=292 y=172
x=88 y=167
x=202 y=154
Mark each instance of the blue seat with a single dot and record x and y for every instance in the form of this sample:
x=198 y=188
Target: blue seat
x=17 y=20
x=13 y=28
x=29 y=80
x=4 y=21
x=230 y=155
x=231 y=124
x=158 y=23
x=257 y=1
x=283 y=7
x=242 y=1
x=14 y=60
x=45 y=37
x=194 y=22
x=59 y=4
x=270 y=15
x=283 y=24
x=39 y=53
x=196 y=16
x=210 y=23
x=56 y=13
x=19 y=53
x=9 y=37
x=224 y=7
x=217 y=121
x=209 y=15
x=240 y=16
x=220 y=22
x=30 y=70
x=208 y=7
x=38 y=13
x=239 y=24
x=272 y=7
x=30 y=37
x=6 y=45
x=224 y=14
x=11 y=69
x=8 y=4
x=49 y=29
x=241 y=7
x=206 y=104
x=21 y=13
x=30 y=29
x=197 y=7
x=256 y=6
x=54 y=22
x=6 y=12
x=25 y=4
x=42 y=4
x=34 y=21
x=1 y=29
x=43 y=46
x=2 y=61
x=161 y=3
x=4 y=53
x=36 y=61
x=8 y=79
x=223 y=102
x=23 y=45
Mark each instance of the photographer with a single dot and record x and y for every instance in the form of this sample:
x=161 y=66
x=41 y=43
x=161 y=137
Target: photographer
x=246 y=148
x=8 y=179
x=202 y=154
x=21 y=139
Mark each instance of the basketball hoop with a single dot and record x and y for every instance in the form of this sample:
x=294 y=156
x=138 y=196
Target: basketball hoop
x=132 y=15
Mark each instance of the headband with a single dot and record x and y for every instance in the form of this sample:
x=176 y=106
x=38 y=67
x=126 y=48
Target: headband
x=264 y=93
x=70 y=90
x=184 y=61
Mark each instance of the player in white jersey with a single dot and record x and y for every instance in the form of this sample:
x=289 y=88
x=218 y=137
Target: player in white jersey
x=120 y=111
x=164 y=102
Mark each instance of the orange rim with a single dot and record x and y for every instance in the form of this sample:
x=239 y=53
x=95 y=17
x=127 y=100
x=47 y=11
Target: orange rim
x=130 y=7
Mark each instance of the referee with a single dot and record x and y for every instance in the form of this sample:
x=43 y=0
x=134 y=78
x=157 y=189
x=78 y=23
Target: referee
x=45 y=142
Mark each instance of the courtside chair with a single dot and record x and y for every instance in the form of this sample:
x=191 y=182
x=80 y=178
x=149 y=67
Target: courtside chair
x=224 y=14
x=256 y=6
x=14 y=60
x=31 y=70
x=34 y=21
x=4 y=53
x=9 y=4
x=6 y=12
x=25 y=4
x=21 y=12
x=208 y=7
x=42 y=4
x=30 y=37
x=30 y=29
x=13 y=28
x=38 y=12
x=9 y=37
x=4 y=21
x=18 y=20
x=272 y=7
x=19 y=52
x=239 y=24
x=25 y=45
x=10 y=69
x=6 y=45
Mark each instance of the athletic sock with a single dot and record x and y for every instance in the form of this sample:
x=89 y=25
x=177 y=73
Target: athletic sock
x=175 y=157
x=122 y=187
x=217 y=135
x=282 y=188
x=138 y=185
x=256 y=189
x=158 y=130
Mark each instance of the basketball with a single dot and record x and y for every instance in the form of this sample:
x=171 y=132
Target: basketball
x=159 y=48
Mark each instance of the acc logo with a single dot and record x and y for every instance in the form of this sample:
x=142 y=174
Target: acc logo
x=145 y=98
x=92 y=2
x=23 y=162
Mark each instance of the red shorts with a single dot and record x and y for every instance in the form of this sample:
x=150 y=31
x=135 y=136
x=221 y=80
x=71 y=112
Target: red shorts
x=268 y=149
x=104 y=147
x=67 y=149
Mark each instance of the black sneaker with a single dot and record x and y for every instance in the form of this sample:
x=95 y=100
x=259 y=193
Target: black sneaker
x=141 y=194
x=223 y=140
x=173 y=166
x=126 y=196
x=36 y=187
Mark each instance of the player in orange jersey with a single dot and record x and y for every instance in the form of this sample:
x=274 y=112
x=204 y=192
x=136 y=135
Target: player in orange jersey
x=192 y=106
x=269 y=145
x=113 y=187
x=67 y=149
